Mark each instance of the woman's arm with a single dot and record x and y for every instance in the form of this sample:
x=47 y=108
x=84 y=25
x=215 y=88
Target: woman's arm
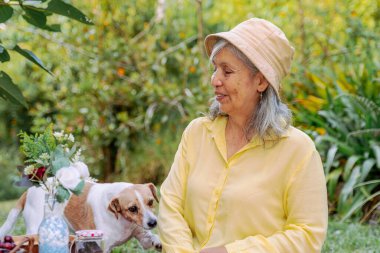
x=175 y=234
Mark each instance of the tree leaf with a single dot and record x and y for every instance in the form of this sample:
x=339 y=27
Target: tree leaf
x=4 y=56
x=6 y=13
x=79 y=188
x=67 y=10
x=31 y=57
x=54 y=28
x=62 y=194
x=38 y=19
x=8 y=90
x=33 y=2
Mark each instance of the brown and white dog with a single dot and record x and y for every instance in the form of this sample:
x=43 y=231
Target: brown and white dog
x=120 y=210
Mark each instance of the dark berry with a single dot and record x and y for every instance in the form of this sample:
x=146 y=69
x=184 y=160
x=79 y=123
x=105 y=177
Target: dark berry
x=8 y=245
x=8 y=238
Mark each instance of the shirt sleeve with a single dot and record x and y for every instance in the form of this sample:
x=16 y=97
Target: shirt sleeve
x=307 y=215
x=175 y=234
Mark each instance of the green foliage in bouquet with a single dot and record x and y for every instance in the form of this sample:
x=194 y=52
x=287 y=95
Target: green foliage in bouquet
x=50 y=156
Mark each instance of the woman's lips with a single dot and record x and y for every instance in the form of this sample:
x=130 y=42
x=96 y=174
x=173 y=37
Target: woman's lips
x=220 y=97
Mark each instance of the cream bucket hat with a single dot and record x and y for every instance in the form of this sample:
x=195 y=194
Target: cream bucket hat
x=265 y=45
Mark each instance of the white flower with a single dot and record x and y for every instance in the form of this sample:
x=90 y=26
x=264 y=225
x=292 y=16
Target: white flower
x=69 y=177
x=44 y=156
x=91 y=179
x=71 y=138
x=58 y=135
x=43 y=159
x=82 y=169
x=77 y=155
x=28 y=170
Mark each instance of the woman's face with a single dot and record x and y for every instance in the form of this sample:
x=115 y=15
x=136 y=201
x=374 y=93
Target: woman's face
x=236 y=87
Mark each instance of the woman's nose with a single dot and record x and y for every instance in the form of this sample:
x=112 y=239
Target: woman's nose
x=215 y=80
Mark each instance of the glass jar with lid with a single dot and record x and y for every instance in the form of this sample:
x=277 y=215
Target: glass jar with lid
x=89 y=241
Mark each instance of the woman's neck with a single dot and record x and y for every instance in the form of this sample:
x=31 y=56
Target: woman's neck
x=238 y=126
x=237 y=122
x=236 y=135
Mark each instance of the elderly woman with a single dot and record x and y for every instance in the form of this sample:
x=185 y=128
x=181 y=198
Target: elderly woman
x=243 y=179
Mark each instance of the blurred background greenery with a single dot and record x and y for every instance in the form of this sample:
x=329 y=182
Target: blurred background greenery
x=127 y=85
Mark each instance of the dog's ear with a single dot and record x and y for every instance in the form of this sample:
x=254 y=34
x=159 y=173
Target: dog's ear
x=153 y=190
x=114 y=206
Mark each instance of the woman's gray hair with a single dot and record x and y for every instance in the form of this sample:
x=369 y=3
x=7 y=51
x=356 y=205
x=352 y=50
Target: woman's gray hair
x=271 y=117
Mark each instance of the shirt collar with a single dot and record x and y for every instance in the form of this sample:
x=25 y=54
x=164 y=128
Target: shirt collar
x=217 y=129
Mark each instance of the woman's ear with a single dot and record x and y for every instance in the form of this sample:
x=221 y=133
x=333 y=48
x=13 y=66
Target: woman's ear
x=263 y=84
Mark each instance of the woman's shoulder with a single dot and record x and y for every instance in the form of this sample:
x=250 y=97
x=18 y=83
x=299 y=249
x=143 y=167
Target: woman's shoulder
x=199 y=123
x=196 y=128
x=297 y=137
x=201 y=120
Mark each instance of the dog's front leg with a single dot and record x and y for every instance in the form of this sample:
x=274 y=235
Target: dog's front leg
x=147 y=239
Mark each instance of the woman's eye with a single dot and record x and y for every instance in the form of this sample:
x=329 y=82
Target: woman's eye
x=133 y=209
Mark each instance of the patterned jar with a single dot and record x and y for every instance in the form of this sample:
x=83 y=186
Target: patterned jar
x=89 y=241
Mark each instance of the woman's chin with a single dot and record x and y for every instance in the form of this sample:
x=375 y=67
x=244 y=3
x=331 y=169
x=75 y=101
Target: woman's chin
x=223 y=108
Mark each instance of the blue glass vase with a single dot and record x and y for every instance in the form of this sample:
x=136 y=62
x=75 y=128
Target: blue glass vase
x=53 y=233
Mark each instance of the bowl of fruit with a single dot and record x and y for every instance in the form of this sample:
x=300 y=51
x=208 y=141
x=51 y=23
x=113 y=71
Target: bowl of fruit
x=7 y=244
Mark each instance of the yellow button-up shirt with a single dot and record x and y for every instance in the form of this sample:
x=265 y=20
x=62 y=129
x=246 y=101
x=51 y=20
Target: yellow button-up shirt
x=265 y=198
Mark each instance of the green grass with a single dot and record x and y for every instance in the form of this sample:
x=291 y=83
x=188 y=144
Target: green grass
x=341 y=238
x=352 y=237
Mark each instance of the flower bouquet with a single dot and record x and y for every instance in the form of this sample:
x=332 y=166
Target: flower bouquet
x=53 y=163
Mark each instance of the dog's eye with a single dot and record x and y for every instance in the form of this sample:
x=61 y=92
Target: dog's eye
x=150 y=202
x=132 y=209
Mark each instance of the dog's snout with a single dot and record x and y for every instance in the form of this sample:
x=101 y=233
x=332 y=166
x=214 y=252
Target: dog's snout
x=152 y=223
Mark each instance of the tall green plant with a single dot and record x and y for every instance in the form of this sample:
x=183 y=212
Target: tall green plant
x=351 y=151
x=339 y=100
